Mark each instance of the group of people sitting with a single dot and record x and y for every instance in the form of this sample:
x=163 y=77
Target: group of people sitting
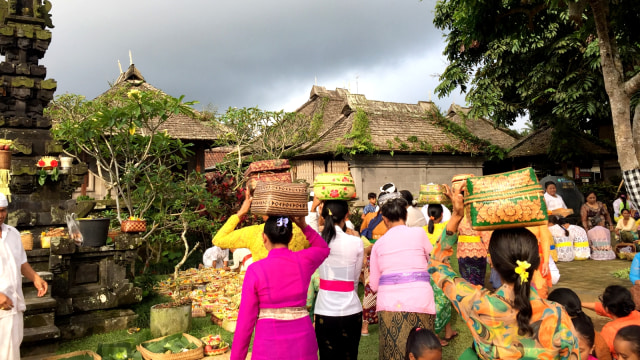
x=592 y=239
x=410 y=287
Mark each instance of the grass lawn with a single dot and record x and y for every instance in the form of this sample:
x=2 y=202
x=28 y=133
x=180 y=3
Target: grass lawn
x=203 y=326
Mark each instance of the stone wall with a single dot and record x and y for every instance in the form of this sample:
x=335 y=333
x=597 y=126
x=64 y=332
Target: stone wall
x=408 y=172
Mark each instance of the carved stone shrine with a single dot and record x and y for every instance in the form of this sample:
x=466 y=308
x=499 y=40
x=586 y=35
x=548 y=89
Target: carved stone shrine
x=82 y=280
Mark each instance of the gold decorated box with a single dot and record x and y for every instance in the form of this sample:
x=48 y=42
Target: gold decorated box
x=506 y=200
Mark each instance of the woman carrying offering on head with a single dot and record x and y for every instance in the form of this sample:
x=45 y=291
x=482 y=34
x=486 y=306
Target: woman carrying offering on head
x=399 y=275
x=338 y=309
x=250 y=237
x=274 y=294
x=592 y=208
x=514 y=322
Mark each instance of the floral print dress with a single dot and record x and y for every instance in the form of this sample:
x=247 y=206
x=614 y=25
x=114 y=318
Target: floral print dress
x=492 y=318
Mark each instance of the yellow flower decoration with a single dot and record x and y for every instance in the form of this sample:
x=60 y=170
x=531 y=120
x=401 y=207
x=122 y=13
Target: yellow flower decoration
x=521 y=270
x=133 y=94
x=132 y=130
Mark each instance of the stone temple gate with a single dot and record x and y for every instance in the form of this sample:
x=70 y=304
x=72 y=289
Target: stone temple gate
x=82 y=280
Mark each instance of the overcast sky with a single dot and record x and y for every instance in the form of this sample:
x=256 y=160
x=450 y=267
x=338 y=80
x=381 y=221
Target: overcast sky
x=251 y=53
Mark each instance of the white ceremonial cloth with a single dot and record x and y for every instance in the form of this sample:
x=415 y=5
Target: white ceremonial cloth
x=12 y=256
x=238 y=255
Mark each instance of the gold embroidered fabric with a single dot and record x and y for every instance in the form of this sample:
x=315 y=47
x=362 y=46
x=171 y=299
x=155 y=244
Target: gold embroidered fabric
x=288 y=313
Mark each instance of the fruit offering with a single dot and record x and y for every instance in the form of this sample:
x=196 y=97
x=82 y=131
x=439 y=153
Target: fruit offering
x=214 y=345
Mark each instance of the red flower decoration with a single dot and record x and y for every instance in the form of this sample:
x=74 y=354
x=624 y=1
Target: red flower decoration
x=345 y=189
x=354 y=195
x=323 y=188
x=334 y=193
x=345 y=179
x=54 y=163
x=41 y=163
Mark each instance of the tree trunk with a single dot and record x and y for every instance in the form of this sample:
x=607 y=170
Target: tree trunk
x=615 y=85
x=636 y=129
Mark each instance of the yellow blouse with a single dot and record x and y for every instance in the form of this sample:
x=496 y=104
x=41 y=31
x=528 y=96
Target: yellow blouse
x=250 y=237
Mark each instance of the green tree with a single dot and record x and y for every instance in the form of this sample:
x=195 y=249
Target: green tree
x=121 y=132
x=570 y=62
x=261 y=135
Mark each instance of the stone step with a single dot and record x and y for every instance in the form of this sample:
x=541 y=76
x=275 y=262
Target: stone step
x=36 y=334
x=39 y=305
x=96 y=322
x=39 y=350
x=29 y=290
x=39 y=320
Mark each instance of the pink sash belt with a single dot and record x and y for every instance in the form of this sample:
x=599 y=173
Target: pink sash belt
x=336 y=285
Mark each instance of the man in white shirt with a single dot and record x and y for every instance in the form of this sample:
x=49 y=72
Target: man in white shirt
x=216 y=258
x=13 y=265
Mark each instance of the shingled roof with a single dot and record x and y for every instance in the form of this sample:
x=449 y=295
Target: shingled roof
x=538 y=142
x=482 y=128
x=397 y=127
x=178 y=126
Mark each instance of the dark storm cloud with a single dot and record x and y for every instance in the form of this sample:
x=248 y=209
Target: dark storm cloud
x=246 y=53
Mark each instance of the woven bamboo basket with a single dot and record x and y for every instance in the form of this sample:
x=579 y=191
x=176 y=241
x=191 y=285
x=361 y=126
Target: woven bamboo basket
x=194 y=354
x=276 y=165
x=433 y=194
x=5 y=159
x=277 y=198
x=334 y=186
x=133 y=226
x=253 y=179
x=27 y=241
x=507 y=200
x=75 y=353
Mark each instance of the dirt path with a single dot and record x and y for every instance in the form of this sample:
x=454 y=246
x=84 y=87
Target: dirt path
x=589 y=278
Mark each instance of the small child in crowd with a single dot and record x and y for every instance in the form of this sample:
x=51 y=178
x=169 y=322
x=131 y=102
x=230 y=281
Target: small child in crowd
x=423 y=344
x=589 y=341
x=617 y=304
x=627 y=343
x=371 y=207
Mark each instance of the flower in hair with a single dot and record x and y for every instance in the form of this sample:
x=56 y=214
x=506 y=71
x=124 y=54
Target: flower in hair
x=282 y=221
x=329 y=210
x=521 y=270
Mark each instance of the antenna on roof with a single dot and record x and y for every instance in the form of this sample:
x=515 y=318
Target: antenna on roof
x=316 y=80
x=349 y=88
x=120 y=66
x=130 y=58
x=429 y=95
x=357 y=77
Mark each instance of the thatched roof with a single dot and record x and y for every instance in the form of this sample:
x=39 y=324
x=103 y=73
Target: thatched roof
x=397 y=127
x=482 y=128
x=538 y=142
x=178 y=126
